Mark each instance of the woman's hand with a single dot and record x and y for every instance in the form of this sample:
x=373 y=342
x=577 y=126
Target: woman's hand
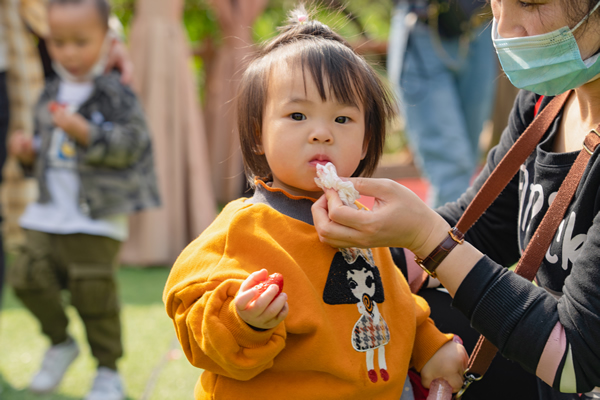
x=21 y=147
x=399 y=218
x=118 y=57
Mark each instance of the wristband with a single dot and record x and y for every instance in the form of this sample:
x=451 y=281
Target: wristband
x=435 y=258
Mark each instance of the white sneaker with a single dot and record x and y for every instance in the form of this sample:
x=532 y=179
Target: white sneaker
x=107 y=386
x=56 y=361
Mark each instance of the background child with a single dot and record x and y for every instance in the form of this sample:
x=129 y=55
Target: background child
x=92 y=158
x=342 y=329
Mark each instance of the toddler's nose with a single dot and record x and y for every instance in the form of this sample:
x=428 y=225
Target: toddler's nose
x=321 y=135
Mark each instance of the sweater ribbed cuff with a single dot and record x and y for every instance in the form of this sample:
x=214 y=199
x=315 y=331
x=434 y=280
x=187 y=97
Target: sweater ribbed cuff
x=244 y=335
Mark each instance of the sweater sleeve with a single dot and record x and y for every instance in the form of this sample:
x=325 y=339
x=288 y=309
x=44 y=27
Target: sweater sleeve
x=428 y=339
x=199 y=298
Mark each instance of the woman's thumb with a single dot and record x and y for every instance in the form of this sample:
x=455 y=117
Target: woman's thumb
x=377 y=188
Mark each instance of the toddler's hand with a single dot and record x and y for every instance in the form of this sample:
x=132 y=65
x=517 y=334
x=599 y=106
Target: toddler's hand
x=448 y=363
x=21 y=147
x=264 y=311
x=73 y=124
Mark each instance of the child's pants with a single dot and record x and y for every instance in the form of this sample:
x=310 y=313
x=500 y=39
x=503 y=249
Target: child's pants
x=84 y=265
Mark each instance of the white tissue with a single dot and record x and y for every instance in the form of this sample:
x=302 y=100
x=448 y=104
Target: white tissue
x=329 y=179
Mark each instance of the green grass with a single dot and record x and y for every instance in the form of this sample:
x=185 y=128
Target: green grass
x=153 y=367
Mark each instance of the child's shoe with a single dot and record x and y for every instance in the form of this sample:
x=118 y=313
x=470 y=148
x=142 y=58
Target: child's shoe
x=56 y=361
x=107 y=386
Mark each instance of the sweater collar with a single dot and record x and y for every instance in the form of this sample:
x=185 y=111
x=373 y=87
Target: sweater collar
x=296 y=207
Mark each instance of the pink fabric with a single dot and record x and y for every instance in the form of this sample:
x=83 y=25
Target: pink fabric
x=223 y=73
x=166 y=87
x=552 y=355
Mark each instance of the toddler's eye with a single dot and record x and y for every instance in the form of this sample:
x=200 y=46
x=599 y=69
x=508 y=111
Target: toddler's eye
x=342 y=120
x=297 y=116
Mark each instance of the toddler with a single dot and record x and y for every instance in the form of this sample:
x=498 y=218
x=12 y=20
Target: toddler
x=92 y=158
x=346 y=325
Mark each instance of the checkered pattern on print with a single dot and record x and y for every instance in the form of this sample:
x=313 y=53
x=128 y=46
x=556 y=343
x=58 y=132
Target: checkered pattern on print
x=367 y=335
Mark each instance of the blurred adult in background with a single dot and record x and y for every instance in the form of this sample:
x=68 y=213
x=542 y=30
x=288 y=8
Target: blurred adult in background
x=442 y=63
x=21 y=80
x=165 y=84
x=235 y=18
x=4 y=110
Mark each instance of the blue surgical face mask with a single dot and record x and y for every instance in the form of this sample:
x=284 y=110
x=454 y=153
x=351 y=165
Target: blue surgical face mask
x=547 y=64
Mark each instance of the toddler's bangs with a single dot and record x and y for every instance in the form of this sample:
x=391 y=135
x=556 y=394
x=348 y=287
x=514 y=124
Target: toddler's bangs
x=334 y=68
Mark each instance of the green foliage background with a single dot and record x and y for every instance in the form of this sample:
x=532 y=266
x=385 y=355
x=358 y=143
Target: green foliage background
x=354 y=19
x=200 y=23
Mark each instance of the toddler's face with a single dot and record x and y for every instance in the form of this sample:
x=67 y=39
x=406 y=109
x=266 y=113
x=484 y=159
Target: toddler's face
x=76 y=36
x=300 y=130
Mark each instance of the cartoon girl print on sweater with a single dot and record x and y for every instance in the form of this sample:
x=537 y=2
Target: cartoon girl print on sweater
x=354 y=279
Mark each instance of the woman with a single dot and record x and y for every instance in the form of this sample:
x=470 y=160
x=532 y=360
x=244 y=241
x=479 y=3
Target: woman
x=549 y=328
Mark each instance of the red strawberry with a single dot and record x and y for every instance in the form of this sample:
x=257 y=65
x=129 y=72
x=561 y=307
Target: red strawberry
x=54 y=106
x=273 y=279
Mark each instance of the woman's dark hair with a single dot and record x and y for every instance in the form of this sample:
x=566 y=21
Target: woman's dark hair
x=102 y=6
x=324 y=54
x=577 y=9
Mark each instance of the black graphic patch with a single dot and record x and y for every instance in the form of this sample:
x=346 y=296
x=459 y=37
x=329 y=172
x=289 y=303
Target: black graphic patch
x=341 y=279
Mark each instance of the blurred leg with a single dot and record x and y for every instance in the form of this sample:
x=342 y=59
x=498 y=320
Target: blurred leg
x=435 y=124
x=91 y=262
x=4 y=113
x=477 y=86
x=36 y=281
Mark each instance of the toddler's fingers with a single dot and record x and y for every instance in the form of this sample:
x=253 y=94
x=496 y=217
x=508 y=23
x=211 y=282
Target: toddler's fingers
x=284 y=311
x=263 y=301
x=254 y=279
x=244 y=298
x=276 y=312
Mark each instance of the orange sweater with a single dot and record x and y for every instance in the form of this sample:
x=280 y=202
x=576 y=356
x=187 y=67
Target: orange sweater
x=341 y=315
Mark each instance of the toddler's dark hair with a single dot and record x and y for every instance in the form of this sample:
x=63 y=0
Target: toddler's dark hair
x=319 y=50
x=102 y=6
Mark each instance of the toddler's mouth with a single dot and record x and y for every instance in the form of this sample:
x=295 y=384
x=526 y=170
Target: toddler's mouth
x=322 y=160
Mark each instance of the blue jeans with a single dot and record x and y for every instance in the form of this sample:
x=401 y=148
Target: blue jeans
x=444 y=106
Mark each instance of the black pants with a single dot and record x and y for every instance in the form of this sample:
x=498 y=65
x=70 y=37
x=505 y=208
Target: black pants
x=4 y=112
x=504 y=379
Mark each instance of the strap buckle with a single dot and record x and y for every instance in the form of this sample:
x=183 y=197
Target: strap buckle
x=590 y=152
x=424 y=268
x=469 y=378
